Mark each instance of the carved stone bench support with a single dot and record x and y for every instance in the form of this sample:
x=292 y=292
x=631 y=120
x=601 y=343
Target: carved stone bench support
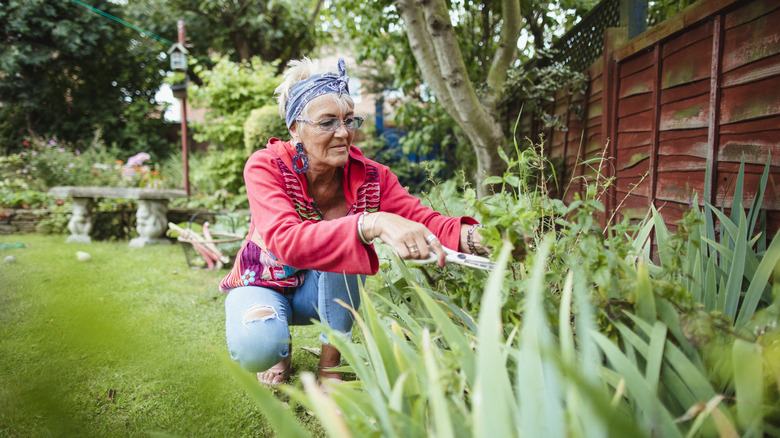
x=151 y=220
x=80 y=224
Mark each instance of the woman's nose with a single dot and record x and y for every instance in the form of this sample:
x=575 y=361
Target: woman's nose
x=342 y=131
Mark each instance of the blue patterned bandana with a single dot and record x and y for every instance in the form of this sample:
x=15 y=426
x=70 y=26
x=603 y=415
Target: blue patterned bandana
x=303 y=92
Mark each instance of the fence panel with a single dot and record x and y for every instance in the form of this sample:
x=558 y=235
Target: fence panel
x=701 y=89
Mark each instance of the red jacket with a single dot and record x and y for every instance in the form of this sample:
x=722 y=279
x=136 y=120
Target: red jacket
x=286 y=235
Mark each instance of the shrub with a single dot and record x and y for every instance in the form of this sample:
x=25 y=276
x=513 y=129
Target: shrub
x=47 y=163
x=261 y=125
x=230 y=91
x=219 y=178
x=585 y=336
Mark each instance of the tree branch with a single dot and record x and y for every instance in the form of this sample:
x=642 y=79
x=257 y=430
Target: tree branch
x=424 y=53
x=506 y=53
x=315 y=14
x=452 y=68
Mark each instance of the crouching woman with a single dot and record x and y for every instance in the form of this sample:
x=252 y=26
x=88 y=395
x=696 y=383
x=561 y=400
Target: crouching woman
x=317 y=204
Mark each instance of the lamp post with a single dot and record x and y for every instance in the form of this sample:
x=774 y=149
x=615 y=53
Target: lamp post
x=178 y=56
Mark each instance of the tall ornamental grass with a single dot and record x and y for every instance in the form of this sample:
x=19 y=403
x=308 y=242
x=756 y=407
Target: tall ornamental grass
x=628 y=331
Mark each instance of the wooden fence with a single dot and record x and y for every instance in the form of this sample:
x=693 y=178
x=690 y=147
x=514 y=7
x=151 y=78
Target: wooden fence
x=700 y=89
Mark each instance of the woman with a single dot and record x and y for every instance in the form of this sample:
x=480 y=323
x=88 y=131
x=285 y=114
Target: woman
x=317 y=204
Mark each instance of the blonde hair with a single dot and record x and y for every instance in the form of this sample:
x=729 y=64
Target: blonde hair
x=300 y=69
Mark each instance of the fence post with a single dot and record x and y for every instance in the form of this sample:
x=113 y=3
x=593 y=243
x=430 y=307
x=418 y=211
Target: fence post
x=633 y=15
x=614 y=37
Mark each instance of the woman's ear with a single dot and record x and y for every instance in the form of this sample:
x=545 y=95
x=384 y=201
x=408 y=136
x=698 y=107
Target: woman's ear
x=294 y=137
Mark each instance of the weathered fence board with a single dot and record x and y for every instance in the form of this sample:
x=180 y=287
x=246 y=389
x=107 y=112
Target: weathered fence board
x=684 y=149
x=751 y=101
x=690 y=64
x=692 y=35
x=752 y=41
x=637 y=83
x=678 y=186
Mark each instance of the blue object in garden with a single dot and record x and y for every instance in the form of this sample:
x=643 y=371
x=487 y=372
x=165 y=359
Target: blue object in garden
x=13 y=245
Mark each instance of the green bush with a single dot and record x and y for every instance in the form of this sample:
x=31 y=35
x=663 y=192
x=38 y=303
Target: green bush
x=230 y=91
x=589 y=334
x=261 y=125
x=220 y=174
x=43 y=164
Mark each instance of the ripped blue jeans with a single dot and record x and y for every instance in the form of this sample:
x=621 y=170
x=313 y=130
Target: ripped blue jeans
x=258 y=320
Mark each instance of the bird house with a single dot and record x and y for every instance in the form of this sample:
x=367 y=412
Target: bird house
x=178 y=55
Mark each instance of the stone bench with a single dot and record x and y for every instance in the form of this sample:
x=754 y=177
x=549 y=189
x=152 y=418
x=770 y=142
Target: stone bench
x=151 y=221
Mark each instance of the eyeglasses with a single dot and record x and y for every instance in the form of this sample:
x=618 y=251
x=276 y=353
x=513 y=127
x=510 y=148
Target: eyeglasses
x=333 y=123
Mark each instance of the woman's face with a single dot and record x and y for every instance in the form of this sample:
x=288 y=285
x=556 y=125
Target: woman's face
x=324 y=148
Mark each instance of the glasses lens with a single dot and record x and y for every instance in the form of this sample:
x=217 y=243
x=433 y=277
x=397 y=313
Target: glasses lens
x=353 y=123
x=330 y=124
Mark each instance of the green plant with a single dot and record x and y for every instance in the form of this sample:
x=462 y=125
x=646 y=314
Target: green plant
x=585 y=336
x=55 y=221
x=220 y=176
x=43 y=164
x=538 y=87
x=230 y=91
x=15 y=193
x=263 y=124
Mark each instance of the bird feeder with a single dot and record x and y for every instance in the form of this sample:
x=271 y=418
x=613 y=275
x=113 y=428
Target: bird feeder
x=178 y=55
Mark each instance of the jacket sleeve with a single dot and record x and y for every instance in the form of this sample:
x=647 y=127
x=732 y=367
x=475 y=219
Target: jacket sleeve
x=329 y=246
x=396 y=199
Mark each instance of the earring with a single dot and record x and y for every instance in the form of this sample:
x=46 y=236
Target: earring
x=300 y=158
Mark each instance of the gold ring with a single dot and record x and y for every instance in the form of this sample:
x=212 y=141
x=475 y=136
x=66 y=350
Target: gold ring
x=431 y=238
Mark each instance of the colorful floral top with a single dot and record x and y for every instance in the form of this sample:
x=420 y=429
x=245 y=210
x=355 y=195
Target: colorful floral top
x=287 y=236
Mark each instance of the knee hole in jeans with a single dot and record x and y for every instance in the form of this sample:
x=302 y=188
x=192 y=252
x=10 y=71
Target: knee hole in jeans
x=259 y=313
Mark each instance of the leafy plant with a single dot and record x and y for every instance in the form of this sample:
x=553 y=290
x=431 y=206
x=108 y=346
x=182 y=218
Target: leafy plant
x=230 y=91
x=585 y=336
x=221 y=176
x=45 y=163
x=261 y=125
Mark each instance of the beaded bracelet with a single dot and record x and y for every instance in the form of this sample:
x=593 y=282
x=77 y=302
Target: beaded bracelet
x=470 y=239
x=360 y=234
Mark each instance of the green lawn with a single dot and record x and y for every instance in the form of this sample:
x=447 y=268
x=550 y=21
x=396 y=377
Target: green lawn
x=128 y=343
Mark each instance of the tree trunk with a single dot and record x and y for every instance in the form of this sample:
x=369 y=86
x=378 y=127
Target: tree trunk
x=436 y=50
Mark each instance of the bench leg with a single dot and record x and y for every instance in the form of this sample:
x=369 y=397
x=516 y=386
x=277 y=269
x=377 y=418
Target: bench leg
x=80 y=224
x=151 y=222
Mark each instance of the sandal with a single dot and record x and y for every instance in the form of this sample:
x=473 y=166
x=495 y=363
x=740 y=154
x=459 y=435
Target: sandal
x=279 y=373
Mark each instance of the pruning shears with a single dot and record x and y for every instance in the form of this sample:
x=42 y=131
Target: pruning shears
x=472 y=261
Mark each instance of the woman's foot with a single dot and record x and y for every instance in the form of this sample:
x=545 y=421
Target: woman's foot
x=277 y=374
x=330 y=357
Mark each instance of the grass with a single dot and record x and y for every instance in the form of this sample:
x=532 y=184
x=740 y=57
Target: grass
x=128 y=343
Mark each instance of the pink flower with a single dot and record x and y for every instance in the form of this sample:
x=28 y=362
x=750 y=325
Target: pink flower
x=138 y=159
x=78 y=152
x=61 y=149
x=26 y=143
x=52 y=143
x=23 y=153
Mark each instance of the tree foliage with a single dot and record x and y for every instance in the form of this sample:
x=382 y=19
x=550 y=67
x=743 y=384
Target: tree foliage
x=456 y=54
x=68 y=72
x=229 y=93
x=241 y=30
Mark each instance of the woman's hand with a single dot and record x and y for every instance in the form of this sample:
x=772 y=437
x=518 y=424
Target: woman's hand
x=409 y=239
